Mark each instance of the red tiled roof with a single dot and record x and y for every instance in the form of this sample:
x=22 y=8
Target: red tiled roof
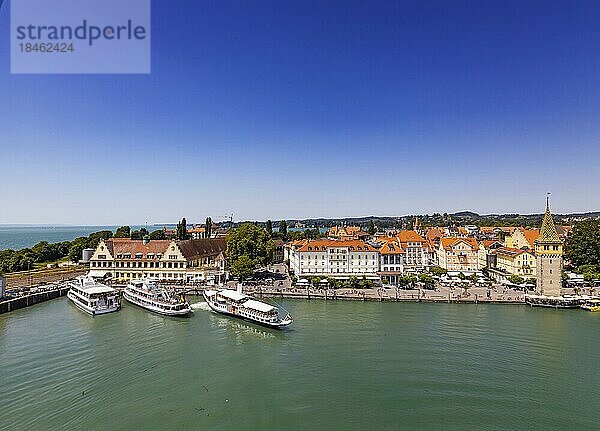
x=508 y=251
x=200 y=248
x=136 y=246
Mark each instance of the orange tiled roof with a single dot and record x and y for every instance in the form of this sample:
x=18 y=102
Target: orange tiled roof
x=410 y=236
x=433 y=234
x=391 y=247
x=530 y=235
x=488 y=242
x=448 y=242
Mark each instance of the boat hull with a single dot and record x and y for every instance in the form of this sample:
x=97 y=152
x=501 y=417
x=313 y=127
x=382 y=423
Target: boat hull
x=173 y=313
x=89 y=310
x=215 y=309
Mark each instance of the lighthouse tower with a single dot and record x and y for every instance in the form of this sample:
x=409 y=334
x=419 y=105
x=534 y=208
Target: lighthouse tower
x=549 y=255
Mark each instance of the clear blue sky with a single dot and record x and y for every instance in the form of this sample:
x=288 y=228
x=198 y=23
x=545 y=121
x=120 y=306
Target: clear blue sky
x=295 y=109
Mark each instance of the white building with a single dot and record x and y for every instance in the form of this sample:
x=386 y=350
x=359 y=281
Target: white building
x=331 y=258
x=391 y=261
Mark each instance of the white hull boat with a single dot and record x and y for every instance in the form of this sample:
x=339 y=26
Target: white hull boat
x=149 y=295
x=92 y=297
x=236 y=304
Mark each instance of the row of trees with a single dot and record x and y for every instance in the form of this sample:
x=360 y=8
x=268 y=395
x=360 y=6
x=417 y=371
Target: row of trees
x=43 y=252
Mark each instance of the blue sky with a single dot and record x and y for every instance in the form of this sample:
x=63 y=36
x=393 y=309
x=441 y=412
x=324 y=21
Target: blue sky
x=297 y=109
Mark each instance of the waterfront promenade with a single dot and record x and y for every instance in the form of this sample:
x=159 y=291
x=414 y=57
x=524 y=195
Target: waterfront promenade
x=496 y=294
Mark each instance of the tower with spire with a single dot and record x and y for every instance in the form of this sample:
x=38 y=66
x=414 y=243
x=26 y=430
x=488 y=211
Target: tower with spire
x=549 y=257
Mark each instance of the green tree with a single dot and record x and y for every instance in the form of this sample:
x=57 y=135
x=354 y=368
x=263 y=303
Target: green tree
x=158 y=234
x=181 y=230
x=243 y=266
x=473 y=278
x=94 y=238
x=582 y=246
x=76 y=248
x=436 y=270
x=371 y=229
x=461 y=275
x=139 y=234
x=123 y=232
x=269 y=228
x=427 y=280
x=208 y=227
x=251 y=242
x=516 y=279
x=283 y=230
x=365 y=284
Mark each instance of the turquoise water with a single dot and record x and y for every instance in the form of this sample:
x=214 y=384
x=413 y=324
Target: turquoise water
x=342 y=366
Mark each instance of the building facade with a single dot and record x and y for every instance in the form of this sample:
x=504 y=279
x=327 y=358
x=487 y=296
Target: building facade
x=334 y=258
x=418 y=256
x=188 y=261
x=522 y=238
x=458 y=254
x=391 y=261
x=513 y=261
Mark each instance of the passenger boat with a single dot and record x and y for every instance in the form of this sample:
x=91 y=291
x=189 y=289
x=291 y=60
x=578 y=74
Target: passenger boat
x=92 y=297
x=591 y=305
x=555 y=301
x=146 y=293
x=237 y=304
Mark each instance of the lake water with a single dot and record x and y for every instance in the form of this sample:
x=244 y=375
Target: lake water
x=341 y=366
x=18 y=237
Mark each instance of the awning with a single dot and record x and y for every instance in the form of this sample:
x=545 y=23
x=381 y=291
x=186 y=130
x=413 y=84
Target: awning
x=98 y=273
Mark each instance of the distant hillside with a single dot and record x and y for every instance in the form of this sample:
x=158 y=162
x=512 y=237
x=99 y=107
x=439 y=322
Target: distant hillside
x=437 y=219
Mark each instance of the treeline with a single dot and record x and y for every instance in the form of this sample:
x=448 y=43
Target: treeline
x=582 y=249
x=44 y=252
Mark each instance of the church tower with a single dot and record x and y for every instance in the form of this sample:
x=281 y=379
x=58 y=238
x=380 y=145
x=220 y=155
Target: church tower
x=549 y=257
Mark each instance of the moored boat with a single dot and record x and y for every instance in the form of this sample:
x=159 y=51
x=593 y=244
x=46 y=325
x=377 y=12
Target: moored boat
x=591 y=305
x=92 y=297
x=565 y=301
x=237 y=304
x=146 y=293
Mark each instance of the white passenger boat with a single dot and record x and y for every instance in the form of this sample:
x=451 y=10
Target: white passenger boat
x=92 y=297
x=146 y=293
x=237 y=304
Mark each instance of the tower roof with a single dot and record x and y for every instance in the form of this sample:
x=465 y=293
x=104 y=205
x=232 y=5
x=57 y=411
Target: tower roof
x=548 y=232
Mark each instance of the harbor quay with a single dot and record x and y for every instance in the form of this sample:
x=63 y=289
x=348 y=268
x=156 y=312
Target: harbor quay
x=41 y=294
